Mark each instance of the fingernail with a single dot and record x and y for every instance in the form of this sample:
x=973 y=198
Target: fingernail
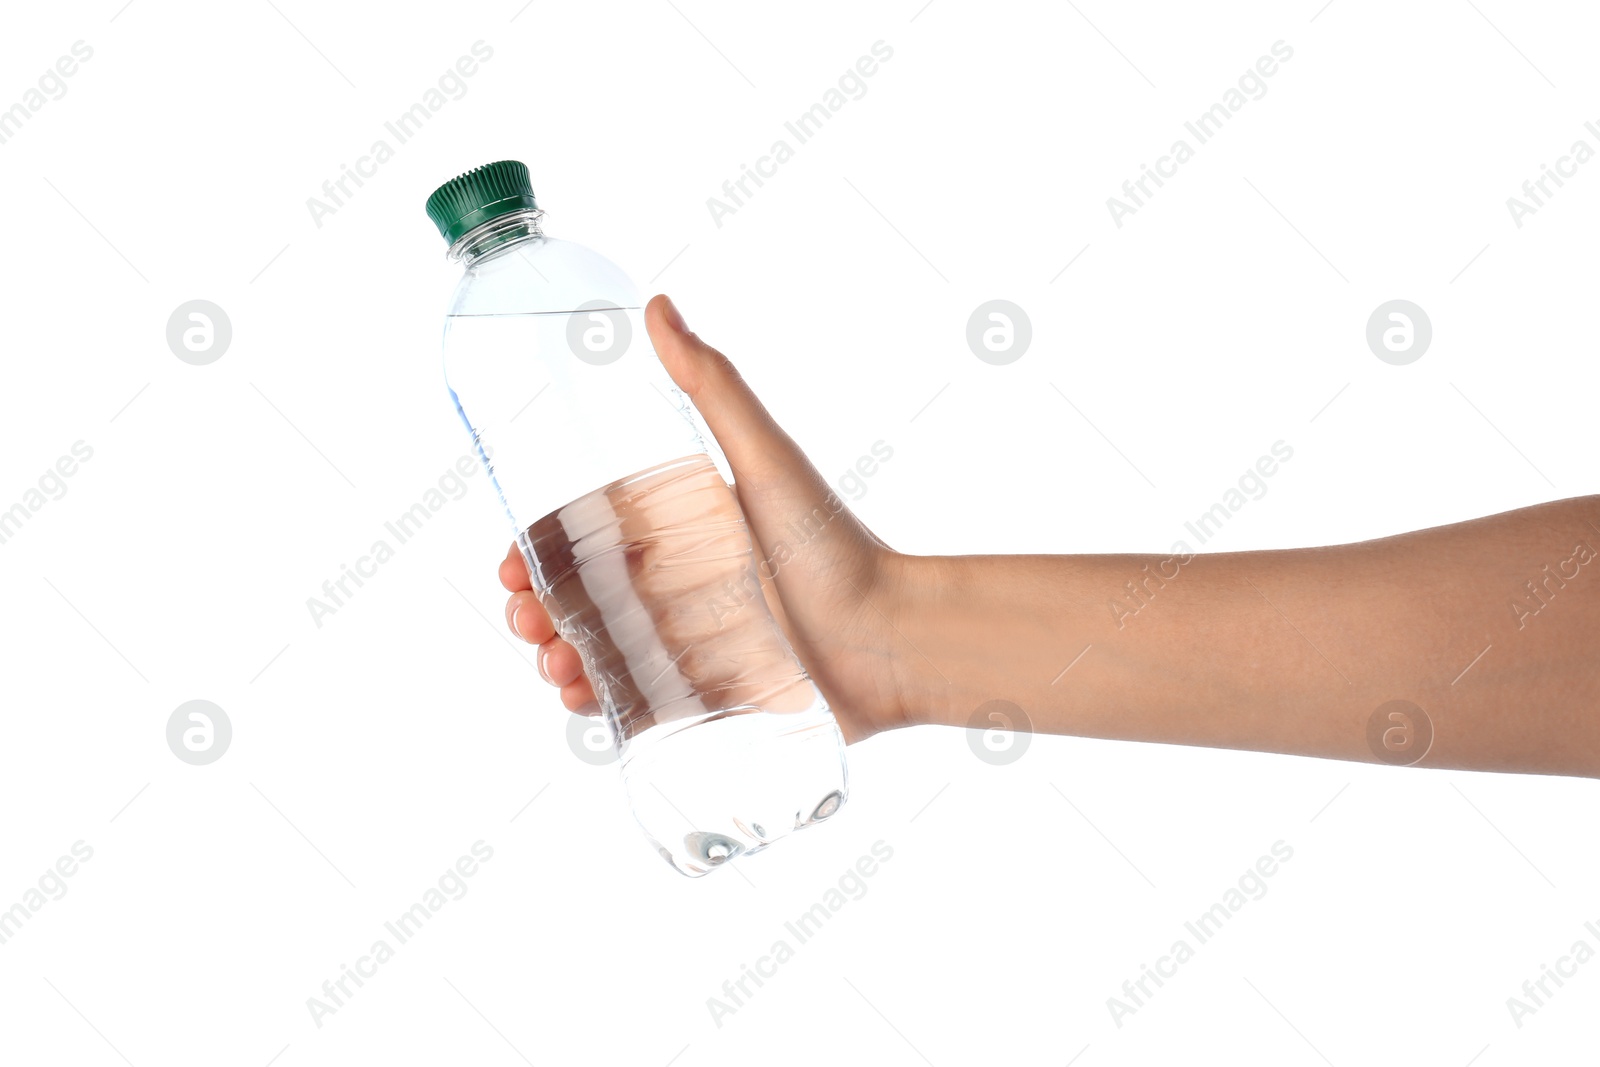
x=516 y=629
x=675 y=317
x=543 y=653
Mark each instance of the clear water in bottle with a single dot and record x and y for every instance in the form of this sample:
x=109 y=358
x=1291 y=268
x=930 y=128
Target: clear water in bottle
x=632 y=534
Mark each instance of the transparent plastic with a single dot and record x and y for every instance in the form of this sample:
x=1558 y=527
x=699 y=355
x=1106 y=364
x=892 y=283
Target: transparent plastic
x=637 y=547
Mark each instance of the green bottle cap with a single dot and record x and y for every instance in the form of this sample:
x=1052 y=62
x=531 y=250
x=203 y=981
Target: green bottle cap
x=481 y=194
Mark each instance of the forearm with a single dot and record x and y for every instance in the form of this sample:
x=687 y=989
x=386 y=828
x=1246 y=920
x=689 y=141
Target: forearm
x=1284 y=651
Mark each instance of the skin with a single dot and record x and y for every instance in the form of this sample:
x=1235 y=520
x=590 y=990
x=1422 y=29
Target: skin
x=1281 y=651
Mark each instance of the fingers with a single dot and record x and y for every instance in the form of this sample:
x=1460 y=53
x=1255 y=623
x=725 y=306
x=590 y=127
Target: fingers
x=514 y=571
x=559 y=663
x=527 y=618
x=754 y=444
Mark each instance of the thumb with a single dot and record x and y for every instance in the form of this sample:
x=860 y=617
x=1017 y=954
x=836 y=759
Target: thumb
x=761 y=454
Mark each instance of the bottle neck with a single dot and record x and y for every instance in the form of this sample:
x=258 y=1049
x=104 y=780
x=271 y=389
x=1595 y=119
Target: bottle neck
x=497 y=235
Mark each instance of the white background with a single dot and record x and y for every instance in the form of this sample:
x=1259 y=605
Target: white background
x=368 y=754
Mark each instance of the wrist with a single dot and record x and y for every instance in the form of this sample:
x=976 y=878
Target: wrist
x=925 y=602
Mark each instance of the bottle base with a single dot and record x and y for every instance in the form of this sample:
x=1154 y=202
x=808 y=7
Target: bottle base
x=787 y=771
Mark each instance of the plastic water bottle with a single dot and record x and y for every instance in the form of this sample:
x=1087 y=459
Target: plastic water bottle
x=633 y=536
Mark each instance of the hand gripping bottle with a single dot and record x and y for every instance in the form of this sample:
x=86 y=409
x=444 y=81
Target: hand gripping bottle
x=634 y=539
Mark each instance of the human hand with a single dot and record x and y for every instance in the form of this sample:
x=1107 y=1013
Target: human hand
x=834 y=596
